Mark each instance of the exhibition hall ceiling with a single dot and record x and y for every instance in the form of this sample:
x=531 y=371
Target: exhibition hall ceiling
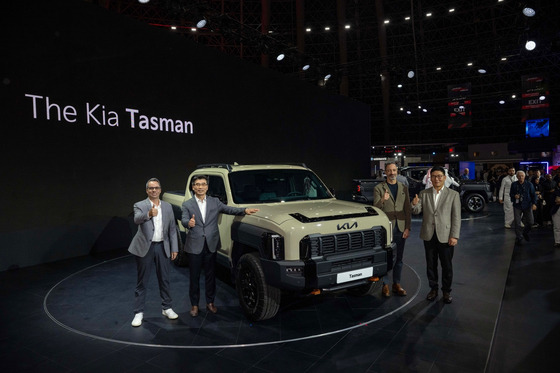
x=400 y=56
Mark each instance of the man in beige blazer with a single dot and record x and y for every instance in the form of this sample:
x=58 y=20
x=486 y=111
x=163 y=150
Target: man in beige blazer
x=392 y=197
x=441 y=224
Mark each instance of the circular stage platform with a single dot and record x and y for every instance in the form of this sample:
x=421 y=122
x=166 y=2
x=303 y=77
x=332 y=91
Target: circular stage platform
x=98 y=302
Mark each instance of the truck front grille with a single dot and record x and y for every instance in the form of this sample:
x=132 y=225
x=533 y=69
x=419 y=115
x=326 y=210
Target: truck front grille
x=322 y=245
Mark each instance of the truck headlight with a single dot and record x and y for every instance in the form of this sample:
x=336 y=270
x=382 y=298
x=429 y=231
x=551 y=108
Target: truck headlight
x=274 y=245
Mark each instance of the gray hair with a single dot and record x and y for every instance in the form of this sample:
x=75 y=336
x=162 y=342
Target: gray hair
x=152 y=179
x=519 y=173
x=390 y=163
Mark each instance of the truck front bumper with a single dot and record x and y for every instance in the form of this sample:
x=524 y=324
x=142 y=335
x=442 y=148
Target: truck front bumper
x=326 y=273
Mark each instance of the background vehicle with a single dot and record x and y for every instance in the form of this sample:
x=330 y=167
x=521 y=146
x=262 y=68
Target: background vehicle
x=303 y=240
x=474 y=194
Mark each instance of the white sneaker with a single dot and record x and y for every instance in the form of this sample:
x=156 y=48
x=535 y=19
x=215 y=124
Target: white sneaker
x=169 y=313
x=507 y=226
x=138 y=319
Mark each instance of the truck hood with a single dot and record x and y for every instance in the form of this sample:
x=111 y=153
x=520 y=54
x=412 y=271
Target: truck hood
x=312 y=211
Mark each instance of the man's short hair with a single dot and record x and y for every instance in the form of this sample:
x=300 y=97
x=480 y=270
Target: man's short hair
x=199 y=177
x=152 y=179
x=390 y=163
x=438 y=168
x=520 y=172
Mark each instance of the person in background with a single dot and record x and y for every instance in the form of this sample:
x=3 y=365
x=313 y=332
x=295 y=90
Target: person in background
x=548 y=187
x=504 y=196
x=555 y=211
x=524 y=200
x=465 y=175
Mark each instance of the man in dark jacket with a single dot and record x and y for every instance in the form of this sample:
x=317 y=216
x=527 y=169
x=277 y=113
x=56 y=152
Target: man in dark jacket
x=524 y=199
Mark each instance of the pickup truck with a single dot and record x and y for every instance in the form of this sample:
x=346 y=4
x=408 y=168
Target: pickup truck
x=474 y=194
x=302 y=240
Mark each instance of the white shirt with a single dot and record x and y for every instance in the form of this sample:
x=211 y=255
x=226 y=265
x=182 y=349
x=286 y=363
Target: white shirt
x=436 y=196
x=158 y=224
x=506 y=187
x=202 y=206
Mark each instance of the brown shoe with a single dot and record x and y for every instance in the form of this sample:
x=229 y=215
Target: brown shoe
x=194 y=311
x=397 y=289
x=447 y=298
x=432 y=295
x=210 y=307
x=385 y=291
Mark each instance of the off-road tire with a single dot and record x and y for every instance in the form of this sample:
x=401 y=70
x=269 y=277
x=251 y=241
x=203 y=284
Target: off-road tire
x=258 y=300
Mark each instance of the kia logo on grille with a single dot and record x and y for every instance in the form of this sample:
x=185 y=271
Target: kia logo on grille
x=347 y=226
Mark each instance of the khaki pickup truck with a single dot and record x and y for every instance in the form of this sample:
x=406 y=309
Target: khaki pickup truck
x=303 y=240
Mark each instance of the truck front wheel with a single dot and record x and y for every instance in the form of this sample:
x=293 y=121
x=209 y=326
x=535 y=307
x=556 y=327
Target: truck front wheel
x=258 y=300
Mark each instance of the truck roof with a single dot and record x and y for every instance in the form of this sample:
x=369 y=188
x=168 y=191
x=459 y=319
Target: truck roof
x=244 y=167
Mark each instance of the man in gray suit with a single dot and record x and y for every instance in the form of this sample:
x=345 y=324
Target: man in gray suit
x=441 y=224
x=155 y=242
x=200 y=218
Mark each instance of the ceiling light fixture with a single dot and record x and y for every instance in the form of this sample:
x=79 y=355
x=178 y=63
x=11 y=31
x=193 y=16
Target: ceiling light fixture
x=528 y=12
x=530 y=45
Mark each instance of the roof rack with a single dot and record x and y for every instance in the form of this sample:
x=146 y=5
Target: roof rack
x=227 y=166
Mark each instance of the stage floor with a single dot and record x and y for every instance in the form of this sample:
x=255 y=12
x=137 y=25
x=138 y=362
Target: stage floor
x=75 y=315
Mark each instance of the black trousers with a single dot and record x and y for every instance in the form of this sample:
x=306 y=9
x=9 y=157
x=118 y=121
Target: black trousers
x=206 y=260
x=156 y=255
x=436 y=250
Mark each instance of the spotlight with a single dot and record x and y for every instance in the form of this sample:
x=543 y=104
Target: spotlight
x=201 y=23
x=327 y=77
x=305 y=67
x=528 y=12
x=530 y=45
x=410 y=74
x=502 y=102
x=280 y=57
x=542 y=98
x=143 y=1
x=482 y=71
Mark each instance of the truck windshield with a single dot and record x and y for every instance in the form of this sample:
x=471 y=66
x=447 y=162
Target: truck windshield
x=260 y=186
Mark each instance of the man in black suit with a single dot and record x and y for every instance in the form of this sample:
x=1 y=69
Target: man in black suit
x=200 y=218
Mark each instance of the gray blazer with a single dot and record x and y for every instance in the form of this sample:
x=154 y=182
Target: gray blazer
x=396 y=210
x=445 y=220
x=207 y=230
x=142 y=240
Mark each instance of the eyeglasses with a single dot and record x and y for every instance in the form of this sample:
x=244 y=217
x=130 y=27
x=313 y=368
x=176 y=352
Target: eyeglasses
x=200 y=184
x=154 y=188
x=437 y=176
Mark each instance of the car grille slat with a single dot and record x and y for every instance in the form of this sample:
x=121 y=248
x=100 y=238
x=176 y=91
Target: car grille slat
x=322 y=245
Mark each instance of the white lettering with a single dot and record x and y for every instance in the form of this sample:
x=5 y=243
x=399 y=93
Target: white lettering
x=34 y=104
x=90 y=113
x=132 y=112
x=49 y=106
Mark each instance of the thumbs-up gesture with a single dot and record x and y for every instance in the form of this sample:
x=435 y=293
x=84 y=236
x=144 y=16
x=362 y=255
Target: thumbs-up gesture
x=153 y=211
x=192 y=222
x=415 y=200
x=386 y=195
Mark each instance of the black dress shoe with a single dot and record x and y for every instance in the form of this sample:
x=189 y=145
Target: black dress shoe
x=447 y=298
x=210 y=307
x=519 y=241
x=526 y=236
x=432 y=295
